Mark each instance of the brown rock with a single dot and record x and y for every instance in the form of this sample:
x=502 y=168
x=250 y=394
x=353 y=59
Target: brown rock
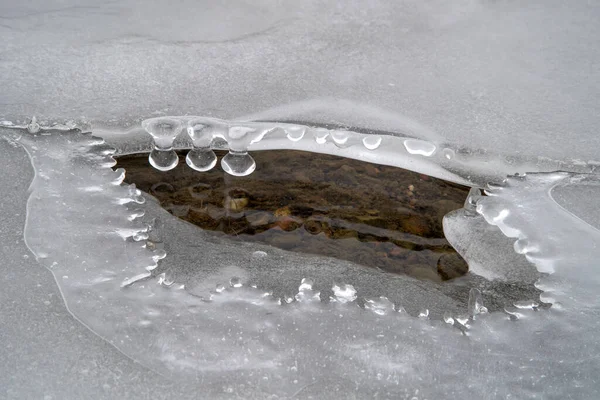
x=283 y=212
x=451 y=266
x=288 y=223
x=260 y=218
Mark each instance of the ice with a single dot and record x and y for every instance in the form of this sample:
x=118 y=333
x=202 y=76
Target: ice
x=420 y=147
x=489 y=252
x=33 y=126
x=389 y=148
x=452 y=66
x=476 y=303
x=201 y=157
x=380 y=306
x=238 y=163
x=179 y=320
x=340 y=138
x=448 y=318
x=163 y=131
x=344 y=293
x=556 y=231
x=295 y=133
x=235 y=282
x=344 y=79
x=372 y=142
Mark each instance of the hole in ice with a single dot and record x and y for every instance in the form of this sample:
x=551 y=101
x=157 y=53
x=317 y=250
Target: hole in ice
x=242 y=334
x=377 y=216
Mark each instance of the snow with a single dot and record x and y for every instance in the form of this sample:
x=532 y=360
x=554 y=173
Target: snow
x=497 y=87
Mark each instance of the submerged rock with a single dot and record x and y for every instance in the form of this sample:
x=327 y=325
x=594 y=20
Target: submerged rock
x=378 y=216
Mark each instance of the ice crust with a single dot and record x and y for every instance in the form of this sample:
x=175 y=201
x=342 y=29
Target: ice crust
x=239 y=318
x=412 y=146
x=530 y=90
x=342 y=78
x=485 y=246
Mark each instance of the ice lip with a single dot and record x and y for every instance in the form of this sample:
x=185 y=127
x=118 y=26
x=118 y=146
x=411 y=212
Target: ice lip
x=239 y=60
x=243 y=137
x=524 y=208
x=242 y=333
x=406 y=145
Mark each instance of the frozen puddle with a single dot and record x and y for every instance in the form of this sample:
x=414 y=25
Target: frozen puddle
x=377 y=216
x=253 y=321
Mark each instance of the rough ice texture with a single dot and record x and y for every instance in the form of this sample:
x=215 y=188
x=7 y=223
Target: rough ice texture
x=411 y=146
x=530 y=89
x=555 y=240
x=489 y=252
x=500 y=100
x=198 y=318
x=45 y=352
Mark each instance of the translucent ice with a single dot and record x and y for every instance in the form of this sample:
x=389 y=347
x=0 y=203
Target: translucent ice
x=238 y=163
x=391 y=57
x=372 y=142
x=163 y=131
x=171 y=318
x=476 y=303
x=380 y=306
x=503 y=87
x=295 y=133
x=420 y=147
x=344 y=293
x=201 y=157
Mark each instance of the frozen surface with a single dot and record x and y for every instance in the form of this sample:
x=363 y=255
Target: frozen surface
x=512 y=78
x=245 y=319
x=485 y=246
x=497 y=87
x=412 y=146
x=45 y=352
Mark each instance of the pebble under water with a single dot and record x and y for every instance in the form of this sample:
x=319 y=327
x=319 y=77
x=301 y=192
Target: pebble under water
x=377 y=216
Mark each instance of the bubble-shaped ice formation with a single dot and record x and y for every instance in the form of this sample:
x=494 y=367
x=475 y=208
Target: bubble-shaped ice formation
x=243 y=137
x=340 y=137
x=295 y=133
x=238 y=163
x=321 y=135
x=380 y=306
x=449 y=154
x=235 y=282
x=476 y=303
x=163 y=130
x=372 y=142
x=201 y=157
x=420 y=147
x=344 y=293
x=472 y=198
x=448 y=318
x=33 y=126
x=163 y=160
x=306 y=294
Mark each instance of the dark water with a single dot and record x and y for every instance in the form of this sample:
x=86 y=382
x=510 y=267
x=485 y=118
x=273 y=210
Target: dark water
x=377 y=216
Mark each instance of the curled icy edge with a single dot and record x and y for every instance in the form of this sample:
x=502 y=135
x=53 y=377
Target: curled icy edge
x=247 y=319
x=389 y=139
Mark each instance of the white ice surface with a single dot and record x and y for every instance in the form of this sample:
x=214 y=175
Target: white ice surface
x=505 y=86
x=237 y=339
x=512 y=78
